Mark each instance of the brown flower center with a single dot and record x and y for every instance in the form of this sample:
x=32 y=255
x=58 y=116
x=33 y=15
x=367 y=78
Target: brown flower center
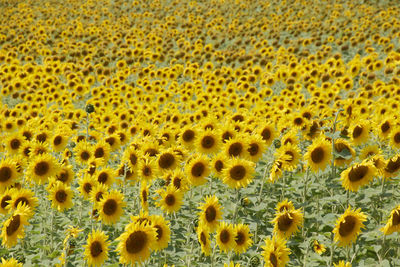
x=203 y=238
x=198 y=169
x=266 y=134
x=237 y=172
x=188 y=135
x=5 y=174
x=253 y=149
x=102 y=178
x=22 y=200
x=358 y=173
x=207 y=142
x=385 y=127
x=61 y=196
x=4 y=201
x=346 y=227
x=240 y=238
x=15 y=144
x=110 y=207
x=170 y=200
x=317 y=155
x=166 y=161
x=273 y=259
x=396 y=138
x=57 y=140
x=14 y=225
x=284 y=222
x=235 y=149
x=99 y=152
x=42 y=168
x=133 y=159
x=357 y=131
x=85 y=155
x=211 y=214
x=87 y=187
x=393 y=166
x=219 y=165
x=159 y=231
x=96 y=249
x=224 y=236
x=136 y=242
x=396 y=218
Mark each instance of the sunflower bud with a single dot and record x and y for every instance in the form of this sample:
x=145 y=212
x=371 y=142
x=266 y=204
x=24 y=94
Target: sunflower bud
x=89 y=108
x=277 y=143
x=255 y=261
x=245 y=202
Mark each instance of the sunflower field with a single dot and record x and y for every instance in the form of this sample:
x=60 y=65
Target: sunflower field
x=200 y=133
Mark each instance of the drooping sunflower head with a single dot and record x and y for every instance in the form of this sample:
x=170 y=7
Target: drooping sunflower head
x=238 y=173
x=358 y=175
x=275 y=251
x=203 y=236
x=392 y=166
x=345 y=153
x=287 y=222
x=348 y=226
x=163 y=231
x=359 y=132
x=393 y=223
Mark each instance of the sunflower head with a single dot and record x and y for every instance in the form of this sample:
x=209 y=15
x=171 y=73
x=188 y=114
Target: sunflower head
x=348 y=226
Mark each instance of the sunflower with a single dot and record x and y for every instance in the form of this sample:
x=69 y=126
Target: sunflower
x=393 y=223
x=236 y=147
x=97 y=192
x=86 y=184
x=384 y=127
x=23 y=196
x=105 y=176
x=147 y=169
x=319 y=154
x=203 y=236
x=359 y=132
x=290 y=138
x=394 y=137
x=275 y=252
x=5 y=198
x=358 y=175
x=267 y=133
x=342 y=264
x=135 y=243
x=197 y=169
x=284 y=205
x=96 y=248
x=66 y=174
x=83 y=152
x=163 y=231
x=218 y=163
x=13 y=227
x=231 y=264
x=10 y=263
x=276 y=170
x=178 y=179
x=238 y=173
x=225 y=237
x=292 y=153
x=59 y=140
x=207 y=141
x=348 y=226
x=242 y=238
x=171 y=199
x=61 y=196
x=38 y=148
x=287 y=222
x=144 y=195
x=255 y=148
x=369 y=151
x=101 y=150
x=42 y=167
x=210 y=213
x=111 y=207
x=344 y=152
x=167 y=160
x=187 y=136
x=131 y=157
x=318 y=247
x=392 y=167
x=8 y=173
x=13 y=143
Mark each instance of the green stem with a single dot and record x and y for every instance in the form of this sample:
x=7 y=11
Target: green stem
x=236 y=206
x=332 y=247
x=262 y=185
